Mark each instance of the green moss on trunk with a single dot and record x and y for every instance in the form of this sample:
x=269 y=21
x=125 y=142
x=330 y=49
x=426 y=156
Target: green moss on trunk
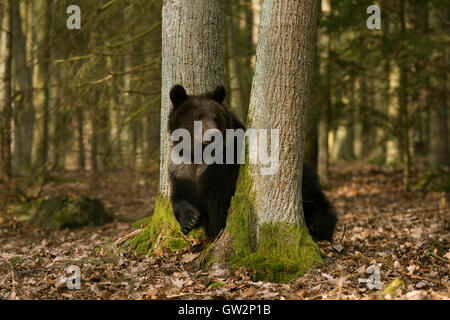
x=163 y=230
x=284 y=251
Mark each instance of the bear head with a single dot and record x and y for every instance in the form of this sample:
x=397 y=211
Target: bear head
x=207 y=108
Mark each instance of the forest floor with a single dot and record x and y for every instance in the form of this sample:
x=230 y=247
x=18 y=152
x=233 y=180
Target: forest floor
x=384 y=233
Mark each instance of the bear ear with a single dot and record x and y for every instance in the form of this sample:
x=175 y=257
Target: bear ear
x=178 y=95
x=219 y=94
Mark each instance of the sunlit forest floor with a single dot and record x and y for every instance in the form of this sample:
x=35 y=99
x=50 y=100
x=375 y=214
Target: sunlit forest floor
x=405 y=234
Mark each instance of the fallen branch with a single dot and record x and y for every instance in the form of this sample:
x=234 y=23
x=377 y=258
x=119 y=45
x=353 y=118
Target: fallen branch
x=133 y=234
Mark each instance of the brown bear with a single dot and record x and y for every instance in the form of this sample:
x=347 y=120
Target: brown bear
x=201 y=193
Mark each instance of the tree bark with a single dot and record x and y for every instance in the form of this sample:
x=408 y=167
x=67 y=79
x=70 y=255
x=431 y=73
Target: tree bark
x=80 y=138
x=324 y=121
x=265 y=227
x=6 y=89
x=344 y=135
x=256 y=18
x=42 y=77
x=403 y=104
x=392 y=149
x=24 y=124
x=360 y=104
x=236 y=95
x=438 y=155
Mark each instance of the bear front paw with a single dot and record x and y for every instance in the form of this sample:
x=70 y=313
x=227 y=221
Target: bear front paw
x=190 y=221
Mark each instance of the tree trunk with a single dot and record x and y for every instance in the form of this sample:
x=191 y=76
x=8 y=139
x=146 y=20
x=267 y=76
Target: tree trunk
x=24 y=110
x=438 y=155
x=115 y=149
x=266 y=229
x=361 y=104
x=392 y=149
x=344 y=136
x=324 y=122
x=80 y=136
x=236 y=96
x=380 y=92
x=42 y=77
x=403 y=104
x=256 y=14
x=192 y=55
x=6 y=88
x=61 y=133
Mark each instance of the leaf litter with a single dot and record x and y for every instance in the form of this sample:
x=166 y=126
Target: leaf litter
x=389 y=244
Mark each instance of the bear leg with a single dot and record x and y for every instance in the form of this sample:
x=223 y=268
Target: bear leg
x=319 y=214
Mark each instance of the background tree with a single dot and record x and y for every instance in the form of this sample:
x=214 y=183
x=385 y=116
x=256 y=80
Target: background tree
x=325 y=71
x=439 y=134
x=24 y=111
x=6 y=89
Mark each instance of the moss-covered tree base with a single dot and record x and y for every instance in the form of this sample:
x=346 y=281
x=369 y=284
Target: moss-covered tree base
x=163 y=230
x=285 y=252
x=282 y=251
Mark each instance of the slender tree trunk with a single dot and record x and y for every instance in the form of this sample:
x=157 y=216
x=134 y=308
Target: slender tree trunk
x=392 y=149
x=61 y=121
x=256 y=14
x=104 y=132
x=266 y=225
x=344 y=136
x=381 y=91
x=360 y=104
x=94 y=142
x=438 y=155
x=80 y=138
x=6 y=88
x=115 y=149
x=192 y=55
x=24 y=110
x=236 y=95
x=403 y=104
x=324 y=122
x=43 y=96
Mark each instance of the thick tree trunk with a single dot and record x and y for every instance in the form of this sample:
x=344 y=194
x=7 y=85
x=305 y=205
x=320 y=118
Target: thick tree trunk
x=6 y=87
x=266 y=227
x=192 y=55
